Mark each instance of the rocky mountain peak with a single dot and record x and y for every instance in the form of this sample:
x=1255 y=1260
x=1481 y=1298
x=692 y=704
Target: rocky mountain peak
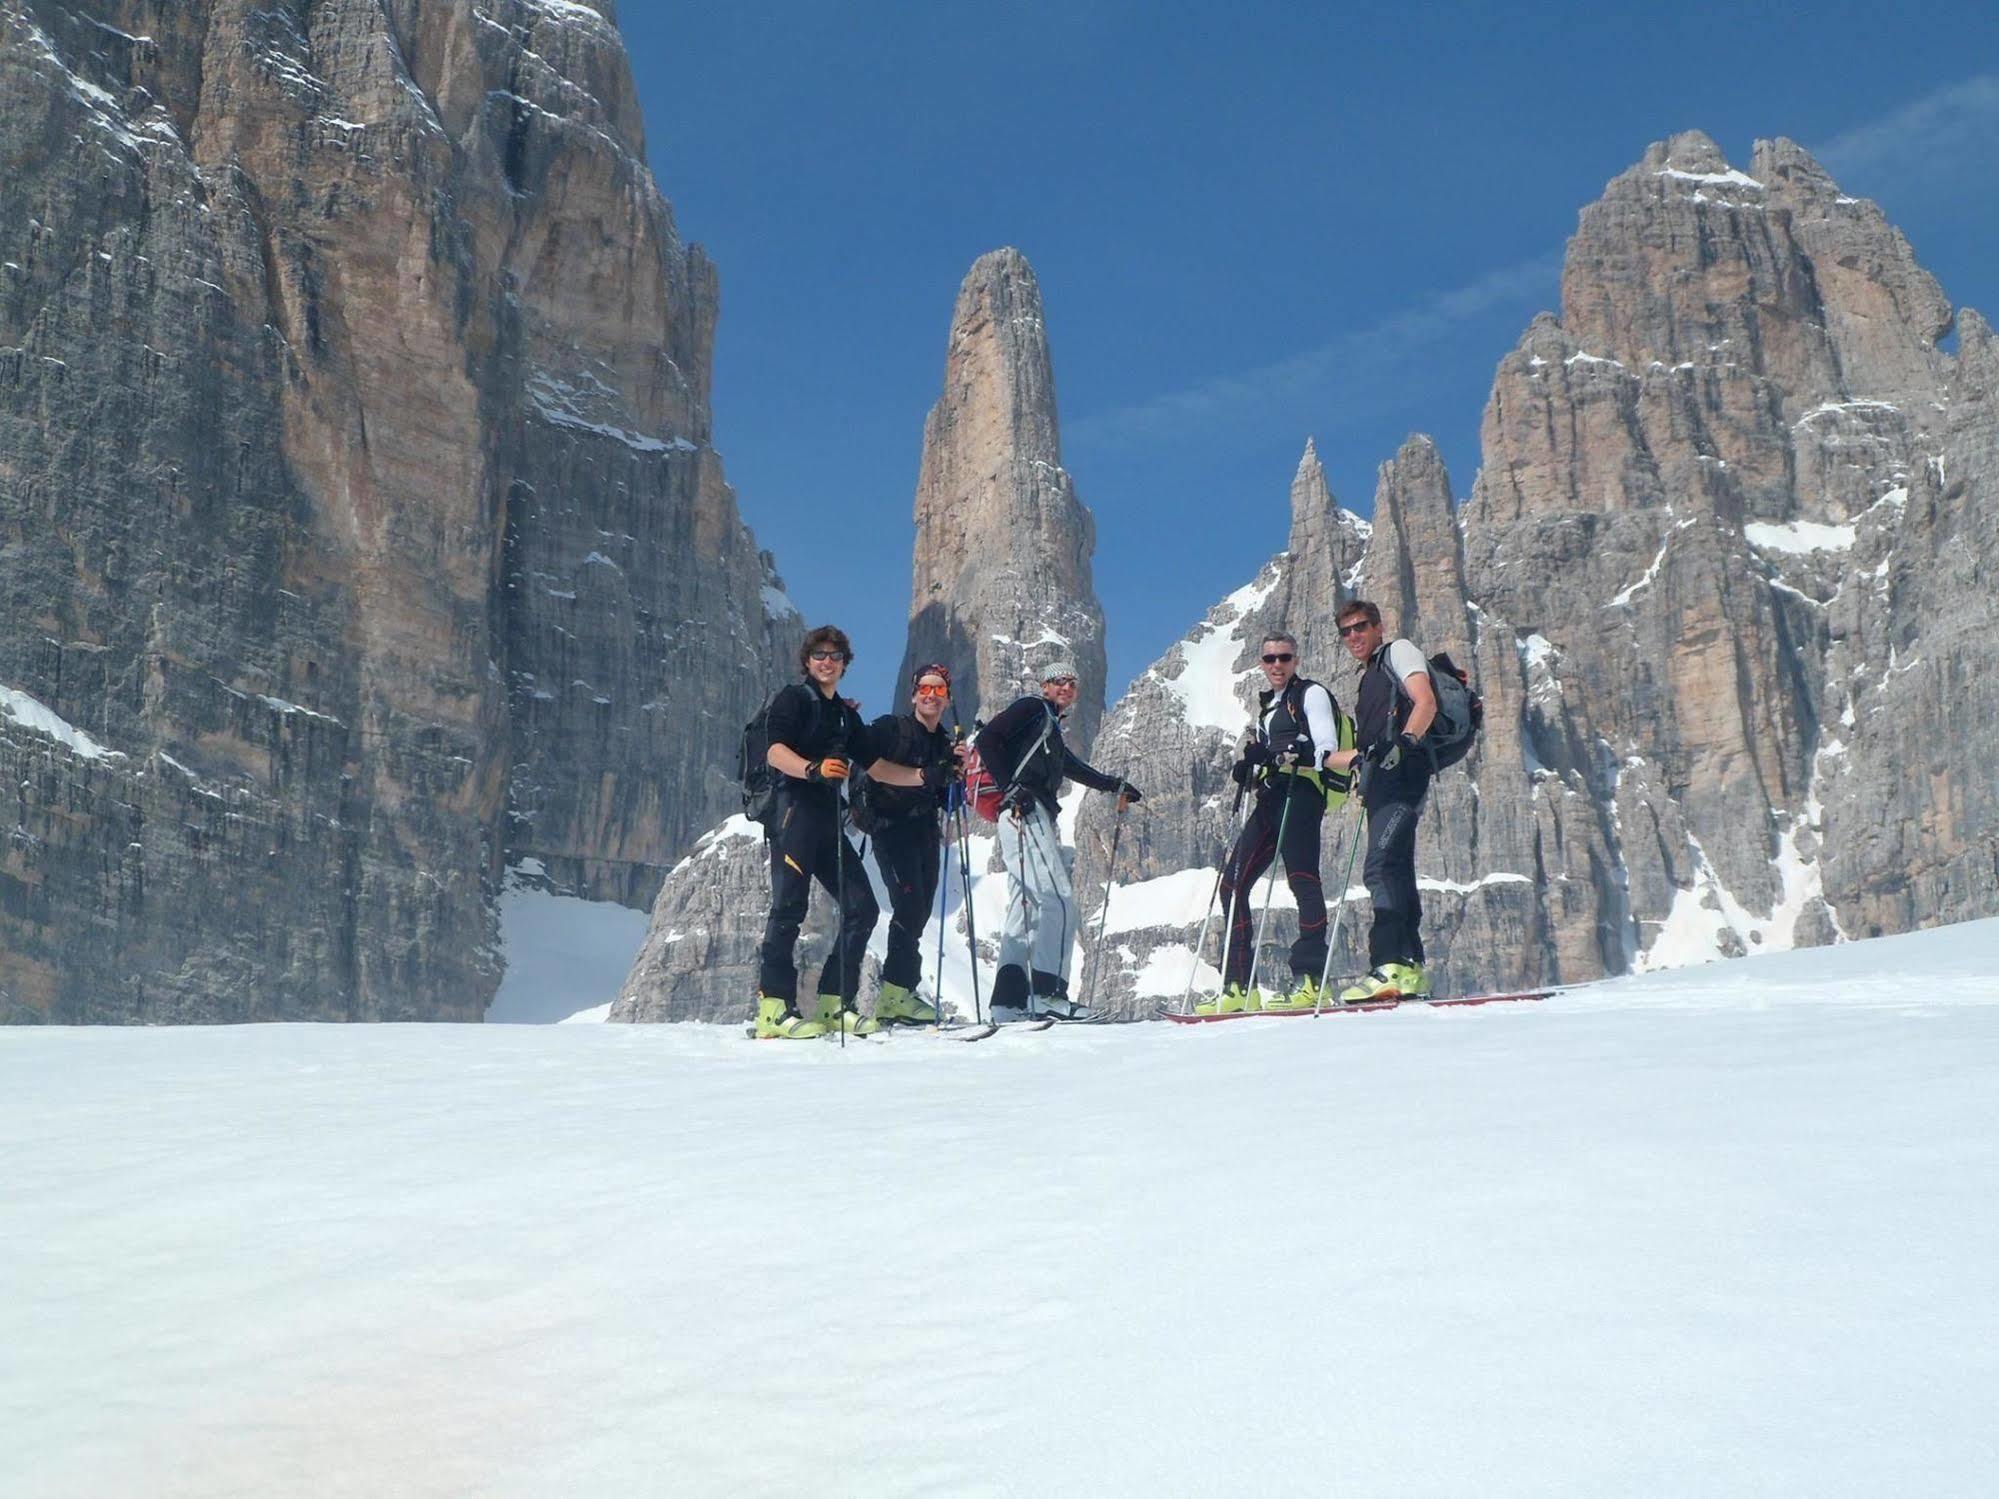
x=1721 y=581
x=1415 y=566
x=1312 y=508
x=1001 y=582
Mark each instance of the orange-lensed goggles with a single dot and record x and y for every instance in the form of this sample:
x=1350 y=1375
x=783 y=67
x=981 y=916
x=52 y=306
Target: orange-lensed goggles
x=930 y=669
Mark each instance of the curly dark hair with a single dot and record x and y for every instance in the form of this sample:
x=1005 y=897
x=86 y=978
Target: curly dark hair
x=826 y=637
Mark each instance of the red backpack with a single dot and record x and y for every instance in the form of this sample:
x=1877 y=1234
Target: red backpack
x=982 y=790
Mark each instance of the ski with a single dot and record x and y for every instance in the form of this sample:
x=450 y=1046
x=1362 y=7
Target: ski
x=1012 y=1027
x=963 y=1030
x=1181 y=1017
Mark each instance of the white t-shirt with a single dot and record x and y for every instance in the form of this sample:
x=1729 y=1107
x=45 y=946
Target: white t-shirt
x=1406 y=659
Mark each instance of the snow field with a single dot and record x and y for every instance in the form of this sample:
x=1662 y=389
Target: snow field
x=1719 y=1232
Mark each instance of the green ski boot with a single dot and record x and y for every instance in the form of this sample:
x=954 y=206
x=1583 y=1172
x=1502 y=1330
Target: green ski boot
x=1304 y=997
x=1411 y=980
x=895 y=1005
x=779 y=1020
x=834 y=1016
x=1389 y=981
x=1233 y=1000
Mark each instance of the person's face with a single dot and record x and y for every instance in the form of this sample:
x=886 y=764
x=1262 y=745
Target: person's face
x=826 y=665
x=1280 y=663
x=932 y=695
x=1061 y=691
x=1361 y=637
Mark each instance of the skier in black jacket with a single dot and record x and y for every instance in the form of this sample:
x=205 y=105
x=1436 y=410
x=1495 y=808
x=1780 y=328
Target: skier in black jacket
x=814 y=736
x=915 y=760
x=1298 y=725
x=1393 y=710
x=1023 y=750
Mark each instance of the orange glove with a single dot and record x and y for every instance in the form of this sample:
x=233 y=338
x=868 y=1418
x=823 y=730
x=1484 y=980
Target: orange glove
x=829 y=769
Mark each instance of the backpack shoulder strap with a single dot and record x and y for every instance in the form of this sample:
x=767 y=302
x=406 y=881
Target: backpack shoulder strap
x=1048 y=719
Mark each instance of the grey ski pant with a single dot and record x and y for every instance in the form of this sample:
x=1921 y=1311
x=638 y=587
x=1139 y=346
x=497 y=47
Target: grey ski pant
x=1040 y=907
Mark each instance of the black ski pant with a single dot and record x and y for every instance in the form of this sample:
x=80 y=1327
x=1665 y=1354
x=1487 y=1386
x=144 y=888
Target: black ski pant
x=807 y=844
x=1390 y=876
x=908 y=854
x=1254 y=848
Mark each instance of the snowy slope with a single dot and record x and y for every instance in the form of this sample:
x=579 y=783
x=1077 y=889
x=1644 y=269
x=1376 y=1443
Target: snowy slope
x=566 y=957
x=1727 y=1231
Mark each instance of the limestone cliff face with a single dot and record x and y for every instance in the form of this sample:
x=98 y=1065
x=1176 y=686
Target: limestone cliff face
x=1001 y=584
x=1724 y=580
x=1001 y=588
x=356 y=499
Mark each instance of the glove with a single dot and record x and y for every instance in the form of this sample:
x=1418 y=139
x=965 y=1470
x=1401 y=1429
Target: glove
x=1388 y=756
x=1126 y=792
x=831 y=769
x=937 y=777
x=1256 y=752
x=1286 y=761
x=1018 y=800
x=1240 y=771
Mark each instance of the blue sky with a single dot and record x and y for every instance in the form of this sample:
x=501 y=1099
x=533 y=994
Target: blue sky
x=1252 y=223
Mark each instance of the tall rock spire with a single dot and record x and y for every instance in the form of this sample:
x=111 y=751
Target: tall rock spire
x=1001 y=584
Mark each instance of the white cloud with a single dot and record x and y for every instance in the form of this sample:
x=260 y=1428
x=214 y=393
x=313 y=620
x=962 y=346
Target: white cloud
x=1940 y=133
x=1323 y=374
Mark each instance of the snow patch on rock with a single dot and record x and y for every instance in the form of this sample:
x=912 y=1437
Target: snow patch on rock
x=1207 y=685
x=1798 y=537
x=39 y=718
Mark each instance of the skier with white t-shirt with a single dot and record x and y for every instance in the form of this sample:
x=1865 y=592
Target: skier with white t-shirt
x=1394 y=708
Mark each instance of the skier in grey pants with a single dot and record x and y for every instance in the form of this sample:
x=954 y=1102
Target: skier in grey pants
x=1023 y=750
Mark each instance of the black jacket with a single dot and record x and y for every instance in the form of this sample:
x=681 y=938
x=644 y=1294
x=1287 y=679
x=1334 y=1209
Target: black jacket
x=901 y=739
x=805 y=721
x=1007 y=747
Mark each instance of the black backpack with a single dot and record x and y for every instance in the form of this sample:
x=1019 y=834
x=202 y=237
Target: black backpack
x=753 y=766
x=861 y=810
x=1460 y=713
x=760 y=781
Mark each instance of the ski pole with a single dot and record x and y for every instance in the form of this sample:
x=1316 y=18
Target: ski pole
x=1201 y=942
x=1104 y=916
x=971 y=923
x=1354 y=825
x=1270 y=887
x=943 y=896
x=840 y=931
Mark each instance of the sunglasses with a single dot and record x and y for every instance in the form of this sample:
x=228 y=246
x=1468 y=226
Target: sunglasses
x=1358 y=627
x=829 y=655
x=924 y=689
x=1271 y=658
x=1061 y=681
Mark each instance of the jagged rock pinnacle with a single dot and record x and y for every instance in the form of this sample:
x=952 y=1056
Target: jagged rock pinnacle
x=1001 y=582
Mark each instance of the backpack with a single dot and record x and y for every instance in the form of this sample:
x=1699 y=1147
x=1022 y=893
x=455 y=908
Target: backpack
x=753 y=766
x=1460 y=713
x=861 y=810
x=981 y=789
